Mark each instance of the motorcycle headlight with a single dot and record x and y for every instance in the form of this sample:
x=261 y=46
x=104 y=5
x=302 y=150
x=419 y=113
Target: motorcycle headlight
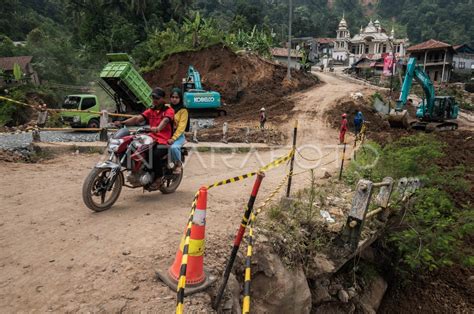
x=146 y=140
x=114 y=144
x=76 y=119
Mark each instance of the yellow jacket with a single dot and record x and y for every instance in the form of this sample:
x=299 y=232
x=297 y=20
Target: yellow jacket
x=180 y=121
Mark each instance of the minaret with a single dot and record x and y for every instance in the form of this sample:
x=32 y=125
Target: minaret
x=342 y=31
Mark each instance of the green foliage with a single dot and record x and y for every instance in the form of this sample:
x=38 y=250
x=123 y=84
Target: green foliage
x=54 y=120
x=470 y=87
x=13 y=114
x=410 y=156
x=17 y=73
x=434 y=231
x=193 y=34
x=446 y=20
x=296 y=230
x=257 y=41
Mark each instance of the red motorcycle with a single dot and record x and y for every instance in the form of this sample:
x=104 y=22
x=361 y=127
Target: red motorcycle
x=128 y=165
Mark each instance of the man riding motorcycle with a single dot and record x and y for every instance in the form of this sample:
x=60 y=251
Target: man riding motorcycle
x=159 y=118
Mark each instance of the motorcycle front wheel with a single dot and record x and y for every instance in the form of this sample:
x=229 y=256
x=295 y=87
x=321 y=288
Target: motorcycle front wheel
x=95 y=194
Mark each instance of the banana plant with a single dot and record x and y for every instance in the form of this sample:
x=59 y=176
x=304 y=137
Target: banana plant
x=17 y=72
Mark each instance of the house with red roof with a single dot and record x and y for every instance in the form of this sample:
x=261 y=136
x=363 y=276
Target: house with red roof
x=6 y=70
x=436 y=58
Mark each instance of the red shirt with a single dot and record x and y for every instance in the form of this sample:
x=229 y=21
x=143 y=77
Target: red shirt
x=344 y=124
x=154 y=118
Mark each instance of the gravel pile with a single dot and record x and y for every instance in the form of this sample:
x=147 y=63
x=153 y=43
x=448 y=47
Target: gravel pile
x=10 y=141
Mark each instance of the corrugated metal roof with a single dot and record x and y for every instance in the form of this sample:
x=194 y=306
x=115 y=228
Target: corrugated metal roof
x=283 y=52
x=325 y=40
x=430 y=44
x=7 y=63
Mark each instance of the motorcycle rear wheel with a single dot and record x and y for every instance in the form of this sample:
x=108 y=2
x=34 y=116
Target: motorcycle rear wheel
x=171 y=182
x=94 y=187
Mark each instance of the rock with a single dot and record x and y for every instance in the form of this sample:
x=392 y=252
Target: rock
x=343 y=296
x=352 y=292
x=233 y=287
x=368 y=254
x=114 y=306
x=335 y=308
x=471 y=279
x=126 y=252
x=372 y=296
x=320 y=294
x=321 y=265
x=336 y=211
x=334 y=288
x=276 y=289
x=135 y=288
x=326 y=175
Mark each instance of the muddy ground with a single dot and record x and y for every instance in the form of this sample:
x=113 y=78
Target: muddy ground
x=246 y=82
x=57 y=255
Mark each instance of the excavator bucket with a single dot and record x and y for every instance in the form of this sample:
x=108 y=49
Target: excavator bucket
x=398 y=119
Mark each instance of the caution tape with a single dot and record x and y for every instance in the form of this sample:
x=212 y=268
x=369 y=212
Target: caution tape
x=250 y=241
x=312 y=160
x=267 y=167
x=184 y=260
x=123 y=115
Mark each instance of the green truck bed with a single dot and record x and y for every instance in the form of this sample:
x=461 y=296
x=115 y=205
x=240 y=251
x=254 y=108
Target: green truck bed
x=121 y=76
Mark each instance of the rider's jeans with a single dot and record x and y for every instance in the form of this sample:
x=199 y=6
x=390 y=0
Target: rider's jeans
x=175 y=149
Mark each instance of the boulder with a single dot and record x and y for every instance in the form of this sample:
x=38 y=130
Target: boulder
x=275 y=288
x=233 y=287
x=343 y=296
x=320 y=293
x=373 y=294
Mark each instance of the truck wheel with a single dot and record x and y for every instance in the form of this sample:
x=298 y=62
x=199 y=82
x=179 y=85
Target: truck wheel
x=93 y=124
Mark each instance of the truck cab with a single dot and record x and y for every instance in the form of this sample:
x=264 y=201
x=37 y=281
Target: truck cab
x=81 y=102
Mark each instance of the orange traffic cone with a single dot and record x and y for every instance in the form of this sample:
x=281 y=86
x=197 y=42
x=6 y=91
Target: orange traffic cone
x=197 y=279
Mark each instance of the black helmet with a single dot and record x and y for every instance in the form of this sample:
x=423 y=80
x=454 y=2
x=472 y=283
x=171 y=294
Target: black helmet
x=158 y=92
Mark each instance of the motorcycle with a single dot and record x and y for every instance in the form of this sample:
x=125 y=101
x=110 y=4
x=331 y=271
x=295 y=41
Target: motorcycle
x=127 y=165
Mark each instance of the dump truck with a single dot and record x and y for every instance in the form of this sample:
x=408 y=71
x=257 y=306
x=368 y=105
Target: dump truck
x=122 y=82
x=131 y=94
x=85 y=103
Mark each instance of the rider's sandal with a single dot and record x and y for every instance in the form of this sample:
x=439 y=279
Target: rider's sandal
x=156 y=185
x=177 y=170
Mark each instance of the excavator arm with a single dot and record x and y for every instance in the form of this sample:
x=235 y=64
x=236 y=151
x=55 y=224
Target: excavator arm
x=414 y=72
x=399 y=116
x=194 y=76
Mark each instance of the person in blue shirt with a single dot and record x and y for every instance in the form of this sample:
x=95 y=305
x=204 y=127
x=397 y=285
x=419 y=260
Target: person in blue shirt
x=358 y=121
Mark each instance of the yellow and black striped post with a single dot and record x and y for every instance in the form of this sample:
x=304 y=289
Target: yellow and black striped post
x=248 y=260
x=342 y=161
x=295 y=132
x=238 y=238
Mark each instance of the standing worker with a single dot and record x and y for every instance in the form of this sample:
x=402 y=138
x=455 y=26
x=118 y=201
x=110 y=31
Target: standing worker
x=358 y=121
x=263 y=118
x=342 y=132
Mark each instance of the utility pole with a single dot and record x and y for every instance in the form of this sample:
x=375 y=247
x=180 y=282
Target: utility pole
x=289 y=39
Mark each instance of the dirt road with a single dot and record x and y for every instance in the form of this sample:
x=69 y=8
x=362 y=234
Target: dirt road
x=56 y=255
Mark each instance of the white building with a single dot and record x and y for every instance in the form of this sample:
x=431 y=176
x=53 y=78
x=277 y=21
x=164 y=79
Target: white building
x=372 y=42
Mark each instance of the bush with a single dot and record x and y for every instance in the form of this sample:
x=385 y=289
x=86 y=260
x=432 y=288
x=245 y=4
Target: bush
x=12 y=114
x=469 y=87
x=433 y=232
